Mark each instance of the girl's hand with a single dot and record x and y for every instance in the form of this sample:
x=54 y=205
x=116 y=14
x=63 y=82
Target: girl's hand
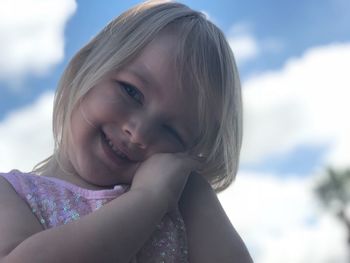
x=165 y=174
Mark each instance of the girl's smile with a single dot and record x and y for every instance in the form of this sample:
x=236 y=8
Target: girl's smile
x=113 y=152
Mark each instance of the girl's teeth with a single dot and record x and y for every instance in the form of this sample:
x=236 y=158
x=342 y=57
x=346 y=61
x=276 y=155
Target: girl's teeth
x=115 y=150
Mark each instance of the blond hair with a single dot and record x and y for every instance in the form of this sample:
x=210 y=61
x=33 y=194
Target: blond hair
x=204 y=62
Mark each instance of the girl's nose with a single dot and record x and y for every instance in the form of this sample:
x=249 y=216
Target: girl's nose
x=138 y=131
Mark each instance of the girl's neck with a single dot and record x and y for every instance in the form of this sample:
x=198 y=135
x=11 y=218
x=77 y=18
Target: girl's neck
x=65 y=171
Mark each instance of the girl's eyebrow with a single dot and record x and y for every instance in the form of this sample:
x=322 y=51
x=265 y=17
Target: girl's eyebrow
x=143 y=74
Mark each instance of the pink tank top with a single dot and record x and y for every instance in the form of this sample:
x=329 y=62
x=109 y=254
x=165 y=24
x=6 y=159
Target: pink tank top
x=55 y=202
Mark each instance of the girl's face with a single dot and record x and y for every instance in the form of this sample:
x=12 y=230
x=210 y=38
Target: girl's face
x=130 y=115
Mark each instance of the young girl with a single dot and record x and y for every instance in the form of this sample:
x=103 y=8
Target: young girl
x=147 y=124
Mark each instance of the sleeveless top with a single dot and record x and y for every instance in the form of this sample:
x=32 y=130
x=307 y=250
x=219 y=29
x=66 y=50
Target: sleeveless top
x=56 y=202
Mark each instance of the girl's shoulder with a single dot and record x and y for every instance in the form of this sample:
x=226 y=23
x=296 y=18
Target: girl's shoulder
x=16 y=219
x=23 y=184
x=5 y=184
x=10 y=184
x=9 y=192
x=54 y=201
x=14 y=178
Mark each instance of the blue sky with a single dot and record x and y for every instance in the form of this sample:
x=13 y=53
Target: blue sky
x=284 y=29
x=294 y=60
x=298 y=25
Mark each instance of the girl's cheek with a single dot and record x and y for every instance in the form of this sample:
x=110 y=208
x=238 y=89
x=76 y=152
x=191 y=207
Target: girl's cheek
x=114 y=111
x=164 y=145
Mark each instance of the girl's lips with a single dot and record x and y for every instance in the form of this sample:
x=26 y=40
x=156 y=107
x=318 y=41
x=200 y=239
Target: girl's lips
x=112 y=152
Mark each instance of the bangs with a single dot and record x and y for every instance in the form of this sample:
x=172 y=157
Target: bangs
x=205 y=66
x=197 y=60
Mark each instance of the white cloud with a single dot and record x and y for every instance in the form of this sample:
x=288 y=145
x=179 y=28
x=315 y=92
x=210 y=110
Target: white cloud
x=207 y=15
x=32 y=35
x=306 y=102
x=25 y=137
x=246 y=47
x=241 y=28
x=281 y=221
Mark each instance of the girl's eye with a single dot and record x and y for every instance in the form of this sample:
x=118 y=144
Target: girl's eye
x=132 y=92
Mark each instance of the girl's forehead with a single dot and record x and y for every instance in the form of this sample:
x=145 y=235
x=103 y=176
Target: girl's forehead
x=156 y=67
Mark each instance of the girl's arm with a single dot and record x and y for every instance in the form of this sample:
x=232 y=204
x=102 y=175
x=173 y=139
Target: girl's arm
x=211 y=236
x=114 y=233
